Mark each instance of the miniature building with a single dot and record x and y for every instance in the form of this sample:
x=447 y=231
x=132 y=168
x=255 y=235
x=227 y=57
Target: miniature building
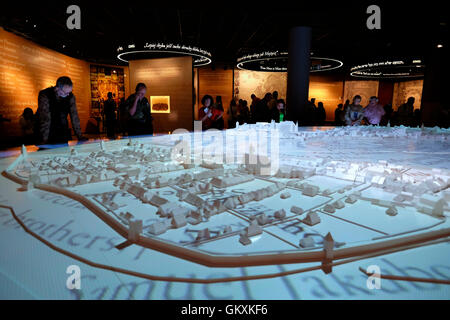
x=194 y=200
x=351 y=199
x=285 y=195
x=407 y=196
x=338 y=204
x=203 y=235
x=126 y=216
x=165 y=209
x=157 y=228
x=280 y=214
x=156 y=200
x=244 y=239
x=135 y=229
x=329 y=208
x=195 y=217
x=179 y=210
x=391 y=211
x=296 y=210
x=438 y=208
x=328 y=247
x=246 y=197
x=310 y=190
x=229 y=181
x=253 y=229
x=179 y=220
x=262 y=219
x=307 y=242
x=312 y=218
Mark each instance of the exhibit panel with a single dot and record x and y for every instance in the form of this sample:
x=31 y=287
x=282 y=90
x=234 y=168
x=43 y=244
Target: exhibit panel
x=248 y=82
x=332 y=183
x=406 y=89
x=216 y=83
x=168 y=77
x=26 y=68
x=265 y=211
x=363 y=88
x=328 y=90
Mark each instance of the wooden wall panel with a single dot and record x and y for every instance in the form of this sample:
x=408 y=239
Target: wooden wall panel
x=196 y=98
x=26 y=68
x=364 y=88
x=328 y=90
x=404 y=90
x=218 y=82
x=385 y=92
x=167 y=77
x=247 y=82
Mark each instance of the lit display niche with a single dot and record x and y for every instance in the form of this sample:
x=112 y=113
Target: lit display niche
x=160 y=104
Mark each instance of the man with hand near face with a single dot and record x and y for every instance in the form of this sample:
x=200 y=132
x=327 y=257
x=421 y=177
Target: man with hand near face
x=374 y=111
x=140 y=120
x=54 y=105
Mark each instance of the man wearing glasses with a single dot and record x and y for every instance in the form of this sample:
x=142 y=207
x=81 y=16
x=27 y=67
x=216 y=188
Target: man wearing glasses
x=54 y=104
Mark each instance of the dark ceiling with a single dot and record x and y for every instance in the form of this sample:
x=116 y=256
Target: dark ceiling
x=231 y=29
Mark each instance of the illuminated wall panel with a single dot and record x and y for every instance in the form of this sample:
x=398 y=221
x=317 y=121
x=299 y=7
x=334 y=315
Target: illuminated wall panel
x=160 y=104
x=324 y=88
x=218 y=82
x=167 y=77
x=364 y=88
x=406 y=89
x=328 y=90
x=26 y=68
x=248 y=82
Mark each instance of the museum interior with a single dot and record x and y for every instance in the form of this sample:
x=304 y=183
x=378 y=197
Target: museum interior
x=315 y=57
x=234 y=151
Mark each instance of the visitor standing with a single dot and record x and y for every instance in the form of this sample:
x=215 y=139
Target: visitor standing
x=355 y=112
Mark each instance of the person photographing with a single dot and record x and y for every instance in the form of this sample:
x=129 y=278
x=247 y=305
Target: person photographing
x=140 y=119
x=207 y=114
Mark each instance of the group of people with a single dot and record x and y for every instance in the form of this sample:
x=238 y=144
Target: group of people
x=261 y=110
x=271 y=108
x=50 y=125
x=268 y=108
x=354 y=114
x=133 y=116
x=314 y=115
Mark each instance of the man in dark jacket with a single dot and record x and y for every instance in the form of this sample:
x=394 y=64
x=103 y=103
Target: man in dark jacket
x=110 y=115
x=262 y=109
x=140 y=118
x=54 y=105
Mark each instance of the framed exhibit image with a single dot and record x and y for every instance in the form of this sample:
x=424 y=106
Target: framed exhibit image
x=106 y=79
x=160 y=104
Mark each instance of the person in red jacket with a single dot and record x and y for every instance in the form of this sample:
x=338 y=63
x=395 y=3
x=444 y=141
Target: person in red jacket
x=207 y=114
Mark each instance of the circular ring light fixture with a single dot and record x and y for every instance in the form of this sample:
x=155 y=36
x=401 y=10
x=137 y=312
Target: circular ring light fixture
x=201 y=56
x=412 y=68
x=276 y=61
